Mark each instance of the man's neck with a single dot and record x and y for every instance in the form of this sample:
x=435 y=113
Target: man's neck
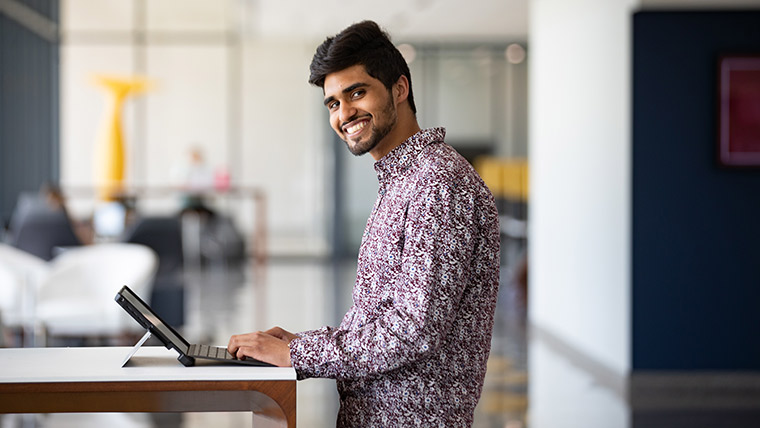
x=406 y=126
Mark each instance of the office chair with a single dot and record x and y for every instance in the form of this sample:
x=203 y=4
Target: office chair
x=39 y=229
x=164 y=236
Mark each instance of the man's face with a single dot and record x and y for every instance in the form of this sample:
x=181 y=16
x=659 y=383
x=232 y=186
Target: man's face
x=362 y=111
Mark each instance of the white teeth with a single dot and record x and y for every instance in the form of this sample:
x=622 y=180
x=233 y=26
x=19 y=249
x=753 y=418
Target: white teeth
x=356 y=128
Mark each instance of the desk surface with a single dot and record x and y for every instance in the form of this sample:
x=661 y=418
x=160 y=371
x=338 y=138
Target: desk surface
x=150 y=363
x=52 y=380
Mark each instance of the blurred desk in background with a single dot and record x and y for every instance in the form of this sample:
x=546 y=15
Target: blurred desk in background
x=242 y=205
x=134 y=196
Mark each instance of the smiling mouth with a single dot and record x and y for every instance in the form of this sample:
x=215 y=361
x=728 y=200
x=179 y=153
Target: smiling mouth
x=355 y=128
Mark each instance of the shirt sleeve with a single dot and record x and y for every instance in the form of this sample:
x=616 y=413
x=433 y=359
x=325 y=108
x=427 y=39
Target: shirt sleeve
x=416 y=317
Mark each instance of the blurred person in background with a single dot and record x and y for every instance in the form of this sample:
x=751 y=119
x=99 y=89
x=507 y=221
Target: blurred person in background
x=196 y=180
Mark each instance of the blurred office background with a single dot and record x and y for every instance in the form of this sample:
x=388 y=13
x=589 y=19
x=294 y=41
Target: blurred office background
x=630 y=256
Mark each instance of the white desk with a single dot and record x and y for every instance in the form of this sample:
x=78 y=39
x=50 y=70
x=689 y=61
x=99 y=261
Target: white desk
x=54 y=380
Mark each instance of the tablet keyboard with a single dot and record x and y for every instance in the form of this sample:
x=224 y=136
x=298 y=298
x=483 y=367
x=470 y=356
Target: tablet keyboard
x=205 y=351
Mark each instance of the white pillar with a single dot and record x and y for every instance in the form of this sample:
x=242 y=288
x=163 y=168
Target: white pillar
x=580 y=163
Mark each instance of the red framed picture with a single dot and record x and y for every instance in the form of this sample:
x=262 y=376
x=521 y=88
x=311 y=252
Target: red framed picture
x=739 y=110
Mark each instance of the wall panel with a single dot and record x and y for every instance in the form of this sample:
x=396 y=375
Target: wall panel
x=28 y=99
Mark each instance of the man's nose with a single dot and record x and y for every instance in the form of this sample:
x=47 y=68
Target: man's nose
x=347 y=112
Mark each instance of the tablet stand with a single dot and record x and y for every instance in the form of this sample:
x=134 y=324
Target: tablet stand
x=137 y=346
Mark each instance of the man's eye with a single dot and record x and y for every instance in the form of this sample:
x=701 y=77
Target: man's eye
x=333 y=105
x=357 y=94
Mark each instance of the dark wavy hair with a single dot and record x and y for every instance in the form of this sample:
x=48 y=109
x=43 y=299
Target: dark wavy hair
x=363 y=43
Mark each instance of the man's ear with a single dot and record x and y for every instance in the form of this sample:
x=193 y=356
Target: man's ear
x=401 y=89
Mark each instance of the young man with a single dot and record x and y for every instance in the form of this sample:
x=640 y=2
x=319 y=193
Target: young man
x=412 y=349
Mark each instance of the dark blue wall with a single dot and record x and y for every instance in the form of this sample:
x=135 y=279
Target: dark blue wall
x=696 y=225
x=29 y=148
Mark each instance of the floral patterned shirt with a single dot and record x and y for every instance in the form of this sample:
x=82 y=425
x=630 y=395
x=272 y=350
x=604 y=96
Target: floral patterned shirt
x=412 y=349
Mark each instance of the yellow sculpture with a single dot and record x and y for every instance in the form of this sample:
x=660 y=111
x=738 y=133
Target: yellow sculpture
x=109 y=159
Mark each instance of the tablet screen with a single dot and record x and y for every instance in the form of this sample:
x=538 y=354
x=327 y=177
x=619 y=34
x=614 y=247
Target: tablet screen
x=143 y=314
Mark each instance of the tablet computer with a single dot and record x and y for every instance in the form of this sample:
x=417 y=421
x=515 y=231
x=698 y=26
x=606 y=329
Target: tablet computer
x=188 y=353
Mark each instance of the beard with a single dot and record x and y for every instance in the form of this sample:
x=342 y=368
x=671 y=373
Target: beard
x=378 y=131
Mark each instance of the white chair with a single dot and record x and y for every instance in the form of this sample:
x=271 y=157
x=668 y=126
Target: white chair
x=21 y=274
x=8 y=300
x=10 y=293
x=76 y=298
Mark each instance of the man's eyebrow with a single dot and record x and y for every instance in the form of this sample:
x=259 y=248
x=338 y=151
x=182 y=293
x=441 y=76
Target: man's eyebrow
x=348 y=89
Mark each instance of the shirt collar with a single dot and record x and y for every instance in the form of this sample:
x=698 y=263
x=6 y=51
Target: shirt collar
x=402 y=157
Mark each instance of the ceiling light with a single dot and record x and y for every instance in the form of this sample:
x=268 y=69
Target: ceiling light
x=408 y=52
x=515 y=53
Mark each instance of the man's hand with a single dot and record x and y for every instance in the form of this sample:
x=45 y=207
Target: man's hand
x=270 y=346
x=281 y=334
